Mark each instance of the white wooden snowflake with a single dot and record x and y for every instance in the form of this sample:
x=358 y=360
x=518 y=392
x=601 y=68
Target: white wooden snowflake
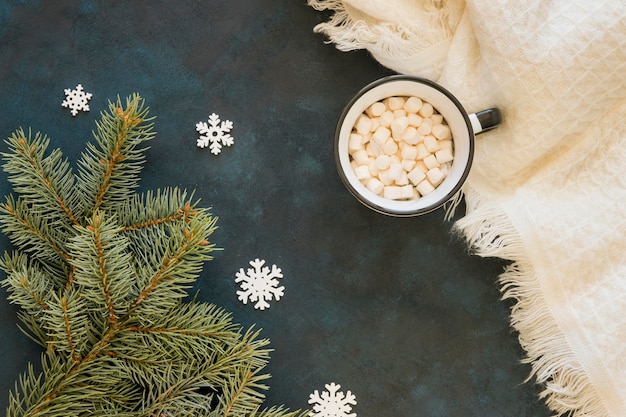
x=215 y=134
x=259 y=284
x=332 y=403
x=76 y=100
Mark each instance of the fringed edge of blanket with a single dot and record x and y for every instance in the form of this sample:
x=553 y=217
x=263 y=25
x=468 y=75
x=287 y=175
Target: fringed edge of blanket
x=349 y=30
x=489 y=232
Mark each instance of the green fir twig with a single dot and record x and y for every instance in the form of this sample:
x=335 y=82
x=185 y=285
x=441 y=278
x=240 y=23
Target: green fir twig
x=101 y=275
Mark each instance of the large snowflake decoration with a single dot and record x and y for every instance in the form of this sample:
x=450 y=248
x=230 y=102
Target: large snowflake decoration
x=77 y=100
x=332 y=403
x=215 y=134
x=259 y=284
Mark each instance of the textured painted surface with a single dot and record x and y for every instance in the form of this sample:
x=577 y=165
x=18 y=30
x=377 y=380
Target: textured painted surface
x=394 y=310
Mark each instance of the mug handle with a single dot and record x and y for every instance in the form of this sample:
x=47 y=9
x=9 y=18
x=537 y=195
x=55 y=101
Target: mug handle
x=485 y=120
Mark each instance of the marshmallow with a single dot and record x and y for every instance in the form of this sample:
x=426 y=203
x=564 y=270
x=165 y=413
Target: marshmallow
x=371 y=165
x=392 y=192
x=399 y=125
x=424 y=188
x=386 y=118
x=431 y=143
x=414 y=119
x=431 y=162
x=435 y=176
x=408 y=164
x=426 y=110
x=395 y=103
x=410 y=136
x=394 y=171
x=441 y=132
x=375 y=186
x=444 y=155
x=422 y=166
x=381 y=135
x=390 y=147
x=374 y=149
x=382 y=162
x=422 y=152
x=445 y=144
x=416 y=176
x=413 y=104
x=355 y=142
x=409 y=152
x=363 y=172
x=407 y=191
x=425 y=127
x=376 y=109
x=403 y=178
x=437 y=119
x=361 y=157
x=375 y=124
x=383 y=176
x=399 y=113
x=363 y=124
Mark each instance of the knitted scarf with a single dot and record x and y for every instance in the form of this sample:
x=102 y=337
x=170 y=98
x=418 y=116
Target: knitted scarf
x=547 y=190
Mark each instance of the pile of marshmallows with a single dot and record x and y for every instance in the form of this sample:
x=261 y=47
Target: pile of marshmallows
x=401 y=148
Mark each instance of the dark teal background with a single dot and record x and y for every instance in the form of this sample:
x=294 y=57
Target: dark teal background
x=395 y=310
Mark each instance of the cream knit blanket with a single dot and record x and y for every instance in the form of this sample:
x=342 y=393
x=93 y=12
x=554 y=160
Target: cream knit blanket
x=548 y=188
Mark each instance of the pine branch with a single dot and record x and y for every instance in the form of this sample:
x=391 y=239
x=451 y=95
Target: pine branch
x=184 y=331
x=177 y=392
x=102 y=266
x=183 y=248
x=78 y=387
x=280 y=411
x=242 y=392
x=33 y=329
x=27 y=391
x=45 y=182
x=36 y=397
x=31 y=233
x=109 y=169
x=151 y=209
x=27 y=286
x=68 y=324
x=201 y=335
x=100 y=274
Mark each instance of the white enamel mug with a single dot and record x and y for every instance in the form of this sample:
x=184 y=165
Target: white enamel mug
x=463 y=127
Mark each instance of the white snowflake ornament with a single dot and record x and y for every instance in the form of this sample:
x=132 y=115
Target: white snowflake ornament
x=214 y=134
x=259 y=284
x=332 y=403
x=76 y=100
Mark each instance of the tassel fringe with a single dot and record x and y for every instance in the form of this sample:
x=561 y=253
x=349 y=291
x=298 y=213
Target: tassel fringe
x=490 y=233
x=351 y=29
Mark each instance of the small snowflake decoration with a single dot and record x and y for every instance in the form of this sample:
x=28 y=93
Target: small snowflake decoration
x=215 y=134
x=77 y=100
x=259 y=284
x=332 y=403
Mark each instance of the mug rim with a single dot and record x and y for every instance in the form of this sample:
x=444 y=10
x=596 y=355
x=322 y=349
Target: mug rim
x=468 y=163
